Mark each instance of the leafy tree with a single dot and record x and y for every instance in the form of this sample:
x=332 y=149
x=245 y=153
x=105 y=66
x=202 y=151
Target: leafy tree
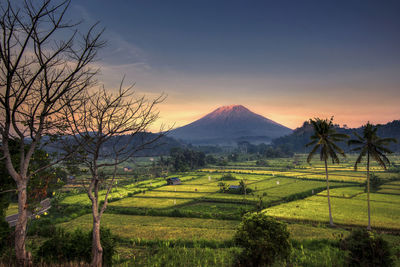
x=367 y=249
x=187 y=159
x=39 y=187
x=372 y=146
x=210 y=159
x=324 y=139
x=264 y=240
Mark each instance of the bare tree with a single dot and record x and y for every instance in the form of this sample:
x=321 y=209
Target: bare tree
x=39 y=74
x=108 y=129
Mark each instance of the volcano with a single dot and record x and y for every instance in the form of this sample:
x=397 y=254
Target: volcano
x=229 y=125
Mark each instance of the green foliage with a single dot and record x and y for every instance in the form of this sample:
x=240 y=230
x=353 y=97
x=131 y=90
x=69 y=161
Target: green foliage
x=167 y=256
x=371 y=145
x=5 y=232
x=75 y=246
x=367 y=249
x=228 y=177
x=223 y=187
x=210 y=159
x=266 y=151
x=264 y=240
x=186 y=159
x=325 y=138
x=317 y=253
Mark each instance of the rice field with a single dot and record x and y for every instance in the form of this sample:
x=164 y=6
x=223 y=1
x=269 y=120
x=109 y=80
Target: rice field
x=385 y=210
x=160 y=228
x=12 y=209
x=197 y=209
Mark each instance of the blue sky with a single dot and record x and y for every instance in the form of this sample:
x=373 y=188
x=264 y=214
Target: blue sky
x=286 y=60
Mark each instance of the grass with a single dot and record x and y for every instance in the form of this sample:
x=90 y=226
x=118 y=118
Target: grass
x=170 y=228
x=183 y=256
x=162 y=228
x=302 y=232
x=12 y=209
x=344 y=192
x=216 y=208
x=147 y=202
x=345 y=211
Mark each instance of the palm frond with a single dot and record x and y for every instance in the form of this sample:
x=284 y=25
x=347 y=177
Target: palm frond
x=386 y=141
x=360 y=157
x=358 y=136
x=312 y=143
x=340 y=136
x=312 y=153
x=378 y=159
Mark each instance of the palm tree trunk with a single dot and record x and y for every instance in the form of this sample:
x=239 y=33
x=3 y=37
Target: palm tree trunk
x=329 y=197
x=369 y=208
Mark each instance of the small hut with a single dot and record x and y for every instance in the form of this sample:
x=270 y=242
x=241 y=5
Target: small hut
x=173 y=181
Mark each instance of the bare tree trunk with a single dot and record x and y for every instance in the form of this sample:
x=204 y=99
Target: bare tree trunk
x=329 y=197
x=369 y=209
x=23 y=258
x=97 y=250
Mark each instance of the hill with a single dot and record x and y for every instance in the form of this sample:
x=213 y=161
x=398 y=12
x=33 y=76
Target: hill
x=228 y=125
x=160 y=147
x=301 y=136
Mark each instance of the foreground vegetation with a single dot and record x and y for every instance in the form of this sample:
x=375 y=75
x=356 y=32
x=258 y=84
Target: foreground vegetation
x=194 y=223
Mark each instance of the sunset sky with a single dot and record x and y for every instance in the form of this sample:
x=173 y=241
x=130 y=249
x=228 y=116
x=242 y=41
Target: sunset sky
x=286 y=60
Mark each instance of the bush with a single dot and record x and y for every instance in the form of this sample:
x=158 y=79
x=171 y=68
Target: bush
x=5 y=234
x=264 y=240
x=223 y=187
x=228 y=177
x=75 y=247
x=367 y=249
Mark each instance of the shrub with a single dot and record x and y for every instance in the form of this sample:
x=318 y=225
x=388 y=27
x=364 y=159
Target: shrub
x=367 y=249
x=264 y=240
x=5 y=232
x=228 y=177
x=75 y=246
x=223 y=187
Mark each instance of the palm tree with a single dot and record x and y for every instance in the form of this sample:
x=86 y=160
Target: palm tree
x=371 y=145
x=324 y=138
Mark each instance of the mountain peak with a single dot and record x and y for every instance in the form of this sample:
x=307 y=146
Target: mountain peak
x=231 y=107
x=229 y=124
x=229 y=111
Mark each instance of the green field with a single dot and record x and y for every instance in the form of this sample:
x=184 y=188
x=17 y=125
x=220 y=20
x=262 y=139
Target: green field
x=154 y=227
x=385 y=210
x=149 y=211
x=12 y=209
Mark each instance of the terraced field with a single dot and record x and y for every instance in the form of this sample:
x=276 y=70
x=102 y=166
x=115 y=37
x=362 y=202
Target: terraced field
x=164 y=228
x=346 y=209
x=197 y=209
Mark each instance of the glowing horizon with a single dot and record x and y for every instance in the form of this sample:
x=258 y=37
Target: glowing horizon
x=288 y=63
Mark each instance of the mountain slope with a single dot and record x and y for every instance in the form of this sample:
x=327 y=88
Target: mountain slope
x=230 y=124
x=301 y=136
